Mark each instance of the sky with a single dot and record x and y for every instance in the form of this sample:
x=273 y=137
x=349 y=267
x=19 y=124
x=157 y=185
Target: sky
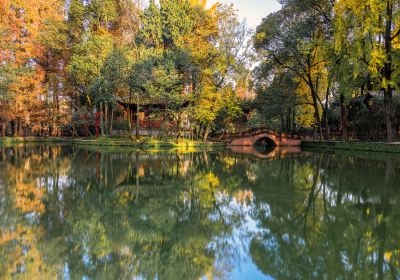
x=252 y=10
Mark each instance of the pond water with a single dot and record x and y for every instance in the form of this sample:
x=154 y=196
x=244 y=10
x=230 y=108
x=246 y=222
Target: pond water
x=70 y=213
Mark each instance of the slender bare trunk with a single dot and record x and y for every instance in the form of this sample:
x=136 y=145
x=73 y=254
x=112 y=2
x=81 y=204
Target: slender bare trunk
x=328 y=136
x=106 y=123
x=129 y=118
x=318 y=117
x=206 y=131
x=57 y=115
x=111 y=121
x=388 y=73
x=3 y=129
x=293 y=121
x=314 y=95
x=13 y=130
x=343 y=116
x=101 y=119
x=178 y=124
x=137 y=119
x=20 y=131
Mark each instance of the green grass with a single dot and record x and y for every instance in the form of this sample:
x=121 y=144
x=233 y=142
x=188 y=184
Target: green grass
x=353 y=146
x=22 y=140
x=119 y=144
x=145 y=142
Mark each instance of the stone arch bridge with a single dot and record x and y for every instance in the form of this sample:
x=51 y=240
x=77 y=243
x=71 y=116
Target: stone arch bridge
x=261 y=136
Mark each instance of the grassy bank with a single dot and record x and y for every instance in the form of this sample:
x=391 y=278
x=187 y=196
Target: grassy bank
x=23 y=140
x=353 y=146
x=145 y=143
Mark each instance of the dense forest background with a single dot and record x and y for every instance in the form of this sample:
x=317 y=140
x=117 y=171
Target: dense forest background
x=316 y=67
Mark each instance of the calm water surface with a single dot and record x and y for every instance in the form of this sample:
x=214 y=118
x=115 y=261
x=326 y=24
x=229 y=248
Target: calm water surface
x=69 y=213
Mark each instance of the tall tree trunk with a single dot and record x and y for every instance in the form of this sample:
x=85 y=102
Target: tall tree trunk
x=318 y=117
x=314 y=95
x=13 y=128
x=129 y=118
x=195 y=132
x=58 y=132
x=3 y=129
x=326 y=120
x=343 y=117
x=293 y=121
x=388 y=72
x=50 y=111
x=206 y=131
x=179 y=124
x=101 y=119
x=111 y=121
x=137 y=119
x=328 y=136
x=106 y=123
x=388 y=113
x=20 y=131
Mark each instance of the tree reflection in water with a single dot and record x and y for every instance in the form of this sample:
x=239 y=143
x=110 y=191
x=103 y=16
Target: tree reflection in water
x=67 y=212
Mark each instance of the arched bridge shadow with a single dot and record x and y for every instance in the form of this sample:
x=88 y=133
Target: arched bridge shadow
x=265 y=152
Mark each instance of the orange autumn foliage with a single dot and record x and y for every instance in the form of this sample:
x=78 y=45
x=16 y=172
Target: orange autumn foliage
x=23 y=51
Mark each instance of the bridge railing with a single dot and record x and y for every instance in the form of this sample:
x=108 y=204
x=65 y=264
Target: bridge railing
x=255 y=132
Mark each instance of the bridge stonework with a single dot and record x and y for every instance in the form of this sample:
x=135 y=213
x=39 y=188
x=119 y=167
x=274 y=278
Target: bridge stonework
x=251 y=140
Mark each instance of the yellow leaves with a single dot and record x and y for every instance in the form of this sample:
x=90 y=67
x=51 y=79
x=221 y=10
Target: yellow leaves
x=213 y=8
x=377 y=61
x=29 y=198
x=25 y=256
x=392 y=257
x=208 y=104
x=360 y=31
x=124 y=197
x=379 y=218
x=260 y=36
x=229 y=162
x=212 y=180
x=388 y=256
x=305 y=116
x=205 y=186
x=396 y=42
x=205 y=21
x=202 y=3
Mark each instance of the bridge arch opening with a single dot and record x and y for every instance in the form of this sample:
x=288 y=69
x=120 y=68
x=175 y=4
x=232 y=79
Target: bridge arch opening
x=265 y=145
x=266 y=142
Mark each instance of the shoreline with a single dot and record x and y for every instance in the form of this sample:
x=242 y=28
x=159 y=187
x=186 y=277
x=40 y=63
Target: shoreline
x=147 y=143
x=380 y=147
x=151 y=143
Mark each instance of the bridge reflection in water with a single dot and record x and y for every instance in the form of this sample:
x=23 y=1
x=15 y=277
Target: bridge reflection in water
x=265 y=151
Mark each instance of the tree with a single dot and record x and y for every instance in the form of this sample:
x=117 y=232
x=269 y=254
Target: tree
x=25 y=56
x=372 y=29
x=112 y=84
x=219 y=48
x=291 y=39
x=278 y=105
x=155 y=80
